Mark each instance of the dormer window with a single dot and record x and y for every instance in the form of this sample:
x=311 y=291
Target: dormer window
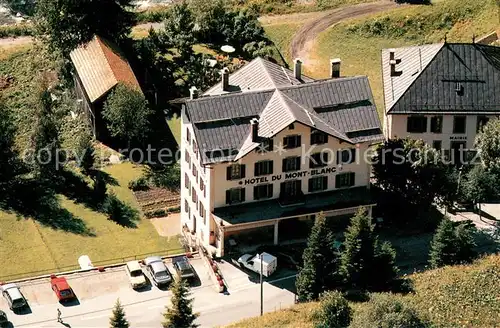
x=291 y=127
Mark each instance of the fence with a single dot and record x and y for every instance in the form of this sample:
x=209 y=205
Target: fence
x=96 y=264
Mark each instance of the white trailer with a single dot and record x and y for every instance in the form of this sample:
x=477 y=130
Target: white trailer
x=253 y=262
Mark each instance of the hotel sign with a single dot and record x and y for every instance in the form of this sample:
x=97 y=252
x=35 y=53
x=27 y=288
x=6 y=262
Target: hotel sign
x=289 y=176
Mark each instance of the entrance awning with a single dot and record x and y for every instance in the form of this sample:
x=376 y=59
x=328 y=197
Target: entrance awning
x=314 y=203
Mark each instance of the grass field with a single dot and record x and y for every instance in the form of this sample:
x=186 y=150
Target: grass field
x=27 y=246
x=359 y=42
x=458 y=296
x=174 y=124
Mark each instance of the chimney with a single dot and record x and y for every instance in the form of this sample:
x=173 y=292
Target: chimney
x=193 y=92
x=225 y=79
x=335 y=68
x=393 y=62
x=254 y=123
x=297 y=69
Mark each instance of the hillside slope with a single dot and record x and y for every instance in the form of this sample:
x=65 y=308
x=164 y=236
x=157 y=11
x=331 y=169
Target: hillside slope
x=458 y=296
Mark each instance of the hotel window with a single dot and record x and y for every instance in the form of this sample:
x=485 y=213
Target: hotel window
x=235 y=195
x=188 y=136
x=437 y=124
x=263 y=168
x=266 y=146
x=186 y=205
x=343 y=180
x=291 y=188
x=416 y=124
x=318 y=184
x=187 y=184
x=195 y=172
x=263 y=191
x=188 y=158
x=291 y=164
x=481 y=122
x=194 y=197
x=235 y=172
x=437 y=144
x=346 y=156
x=290 y=142
x=318 y=137
x=202 y=213
x=195 y=148
x=202 y=188
x=318 y=160
x=459 y=124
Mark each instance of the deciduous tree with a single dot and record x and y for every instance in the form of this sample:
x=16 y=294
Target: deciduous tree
x=319 y=270
x=127 y=114
x=65 y=24
x=180 y=313
x=488 y=144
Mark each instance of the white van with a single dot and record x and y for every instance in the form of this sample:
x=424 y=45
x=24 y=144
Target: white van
x=251 y=262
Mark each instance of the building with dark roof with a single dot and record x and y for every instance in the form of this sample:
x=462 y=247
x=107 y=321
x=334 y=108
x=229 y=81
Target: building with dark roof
x=441 y=93
x=268 y=146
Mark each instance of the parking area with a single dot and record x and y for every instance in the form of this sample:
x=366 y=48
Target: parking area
x=93 y=284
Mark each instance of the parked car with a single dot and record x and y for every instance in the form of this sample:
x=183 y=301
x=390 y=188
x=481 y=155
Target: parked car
x=135 y=275
x=62 y=289
x=158 y=270
x=3 y=319
x=15 y=299
x=268 y=262
x=183 y=267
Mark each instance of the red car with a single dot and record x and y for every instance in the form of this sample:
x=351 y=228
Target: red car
x=62 y=289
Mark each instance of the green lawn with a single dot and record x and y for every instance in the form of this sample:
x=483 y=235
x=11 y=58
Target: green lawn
x=282 y=35
x=28 y=246
x=175 y=126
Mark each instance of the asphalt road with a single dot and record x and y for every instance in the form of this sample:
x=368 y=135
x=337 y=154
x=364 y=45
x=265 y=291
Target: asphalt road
x=97 y=293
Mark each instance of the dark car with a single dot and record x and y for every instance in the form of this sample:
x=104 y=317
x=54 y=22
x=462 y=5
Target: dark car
x=3 y=319
x=183 y=267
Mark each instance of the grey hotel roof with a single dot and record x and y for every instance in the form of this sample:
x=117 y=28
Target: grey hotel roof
x=443 y=78
x=341 y=107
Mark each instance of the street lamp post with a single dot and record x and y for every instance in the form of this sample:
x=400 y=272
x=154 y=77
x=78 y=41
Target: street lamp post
x=261 y=286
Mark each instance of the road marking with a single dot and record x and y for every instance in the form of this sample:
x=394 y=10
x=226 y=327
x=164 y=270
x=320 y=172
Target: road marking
x=94 y=317
x=251 y=285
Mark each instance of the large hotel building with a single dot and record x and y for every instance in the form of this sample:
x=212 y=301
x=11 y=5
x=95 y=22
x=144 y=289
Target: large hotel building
x=268 y=146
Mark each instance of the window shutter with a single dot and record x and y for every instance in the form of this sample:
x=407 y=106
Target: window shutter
x=256 y=169
x=228 y=197
x=285 y=142
x=353 y=155
x=351 y=179
x=284 y=168
x=310 y=187
x=325 y=182
x=282 y=187
x=297 y=163
x=270 y=190
x=271 y=167
x=242 y=170
x=337 y=181
x=339 y=157
x=271 y=145
x=242 y=193
x=255 y=193
x=298 y=140
x=228 y=173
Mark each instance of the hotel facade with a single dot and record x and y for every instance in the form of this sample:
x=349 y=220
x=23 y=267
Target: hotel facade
x=269 y=145
x=441 y=93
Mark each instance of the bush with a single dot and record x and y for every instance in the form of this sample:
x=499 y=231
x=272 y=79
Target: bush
x=120 y=212
x=385 y=311
x=10 y=31
x=452 y=244
x=140 y=184
x=334 y=311
x=156 y=213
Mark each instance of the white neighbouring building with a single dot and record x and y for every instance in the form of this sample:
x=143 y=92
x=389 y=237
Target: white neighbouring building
x=441 y=93
x=268 y=145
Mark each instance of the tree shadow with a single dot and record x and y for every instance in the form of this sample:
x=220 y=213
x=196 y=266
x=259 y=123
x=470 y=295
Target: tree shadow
x=29 y=198
x=120 y=212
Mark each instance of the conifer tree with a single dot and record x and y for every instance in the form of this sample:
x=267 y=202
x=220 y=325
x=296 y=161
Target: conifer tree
x=319 y=270
x=180 y=313
x=364 y=263
x=452 y=245
x=118 y=319
x=86 y=154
